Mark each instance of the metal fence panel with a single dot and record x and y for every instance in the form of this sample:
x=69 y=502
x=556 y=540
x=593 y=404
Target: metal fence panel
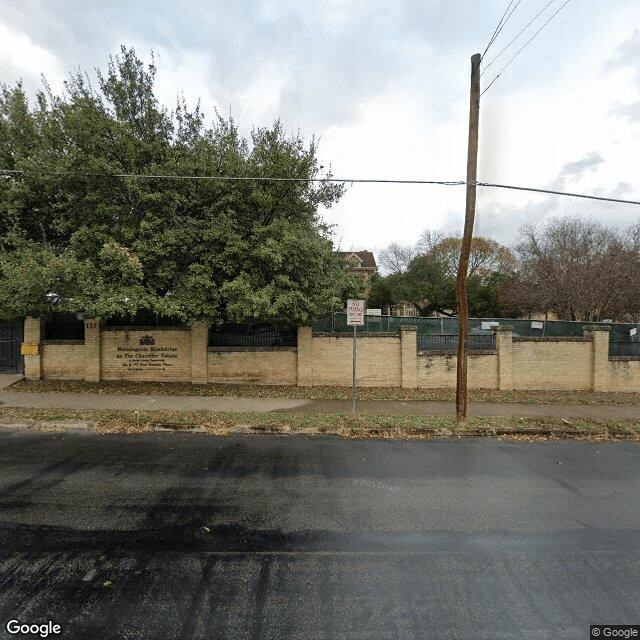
x=626 y=348
x=450 y=343
x=271 y=338
x=622 y=338
x=63 y=329
x=10 y=339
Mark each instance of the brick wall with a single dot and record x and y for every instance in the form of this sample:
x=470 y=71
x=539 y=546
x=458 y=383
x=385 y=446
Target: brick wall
x=243 y=364
x=33 y=332
x=439 y=370
x=624 y=374
x=549 y=363
x=378 y=360
x=384 y=360
x=64 y=359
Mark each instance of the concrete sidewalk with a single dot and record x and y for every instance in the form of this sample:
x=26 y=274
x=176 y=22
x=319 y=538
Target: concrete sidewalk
x=282 y=405
x=7 y=379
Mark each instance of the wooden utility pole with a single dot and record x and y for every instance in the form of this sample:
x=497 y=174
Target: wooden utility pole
x=469 y=216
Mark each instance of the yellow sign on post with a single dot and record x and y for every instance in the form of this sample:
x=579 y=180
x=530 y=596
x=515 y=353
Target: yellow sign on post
x=29 y=349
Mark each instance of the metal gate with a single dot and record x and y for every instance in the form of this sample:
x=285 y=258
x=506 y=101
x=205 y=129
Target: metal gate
x=10 y=339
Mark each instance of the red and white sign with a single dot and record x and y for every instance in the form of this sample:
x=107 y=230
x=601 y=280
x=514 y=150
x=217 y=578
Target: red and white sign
x=355 y=313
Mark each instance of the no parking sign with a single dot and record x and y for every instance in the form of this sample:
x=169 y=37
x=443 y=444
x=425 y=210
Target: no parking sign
x=355 y=313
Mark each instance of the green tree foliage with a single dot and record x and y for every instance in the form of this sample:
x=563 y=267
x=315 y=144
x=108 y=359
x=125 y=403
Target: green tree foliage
x=424 y=284
x=486 y=257
x=429 y=280
x=86 y=226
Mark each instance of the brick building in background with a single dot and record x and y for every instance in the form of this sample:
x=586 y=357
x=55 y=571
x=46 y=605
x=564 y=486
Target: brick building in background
x=363 y=264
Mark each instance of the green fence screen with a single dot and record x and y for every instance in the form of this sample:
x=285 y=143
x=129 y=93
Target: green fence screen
x=624 y=338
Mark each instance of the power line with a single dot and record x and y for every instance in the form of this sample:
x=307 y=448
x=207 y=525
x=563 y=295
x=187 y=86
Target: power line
x=557 y=193
x=525 y=45
x=448 y=183
x=519 y=34
x=244 y=178
x=501 y=25
x=495 y=31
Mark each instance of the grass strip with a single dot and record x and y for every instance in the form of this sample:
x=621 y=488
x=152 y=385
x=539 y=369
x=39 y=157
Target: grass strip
x=323 y=393
x=342 y=424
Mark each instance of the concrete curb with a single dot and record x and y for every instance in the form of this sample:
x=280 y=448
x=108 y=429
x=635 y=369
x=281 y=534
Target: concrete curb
x=50 y=425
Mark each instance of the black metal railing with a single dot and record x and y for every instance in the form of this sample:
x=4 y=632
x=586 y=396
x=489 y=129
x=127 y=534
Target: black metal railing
x=267 y=338
x=57 y=329
x=624 y=348
x=450 y=343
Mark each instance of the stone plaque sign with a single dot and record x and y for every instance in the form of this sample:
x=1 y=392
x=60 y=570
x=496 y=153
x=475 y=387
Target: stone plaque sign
x=147 y=357
x=144 y=354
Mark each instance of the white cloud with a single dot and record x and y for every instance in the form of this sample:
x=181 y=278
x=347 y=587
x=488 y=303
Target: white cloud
x=27 y=60
x=385 y=85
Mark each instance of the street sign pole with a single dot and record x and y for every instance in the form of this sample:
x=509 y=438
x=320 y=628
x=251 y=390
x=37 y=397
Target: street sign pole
x=353 y=405
x=355 y=318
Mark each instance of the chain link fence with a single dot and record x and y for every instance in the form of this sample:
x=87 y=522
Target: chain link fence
x=624 y=338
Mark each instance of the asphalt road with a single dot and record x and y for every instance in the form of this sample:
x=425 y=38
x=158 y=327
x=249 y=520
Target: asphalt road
x=189 y=536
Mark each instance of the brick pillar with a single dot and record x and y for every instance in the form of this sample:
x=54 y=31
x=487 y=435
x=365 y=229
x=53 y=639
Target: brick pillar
x=305 y=371
x=199 y=353
x=504 y=347
x=92 y=368
x=599 y=356
x=33 y=331
x=409 y=356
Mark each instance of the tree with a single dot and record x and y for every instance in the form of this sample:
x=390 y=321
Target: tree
x=484 y=295
x=425 y=274
x=577 y=269
x=429 y=288
x=424 y=284
x=381 y=291
x=396 y=258
x=486 y=258
x=632 y=238
x=96 y=214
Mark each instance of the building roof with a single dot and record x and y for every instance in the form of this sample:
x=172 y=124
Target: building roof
x=365 y=258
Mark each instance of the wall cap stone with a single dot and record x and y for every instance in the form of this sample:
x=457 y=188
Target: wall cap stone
x=129 y=329
x=475 y=352
x=238 y=349
x=503 y=327
x=407 y=327
x=596 y=327
x=552 y=338
x=349 y=334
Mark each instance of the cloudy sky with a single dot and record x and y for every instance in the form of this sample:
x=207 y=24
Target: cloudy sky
x=385 y=85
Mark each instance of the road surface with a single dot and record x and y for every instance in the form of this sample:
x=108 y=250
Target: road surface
x=165 y=536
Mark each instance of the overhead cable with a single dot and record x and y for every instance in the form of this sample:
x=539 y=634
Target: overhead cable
x=525 y=45
x=448 y=183
x=557 y=193
x=245 y=178
x=495 y=31
x=501 y=25
x=514 y=39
